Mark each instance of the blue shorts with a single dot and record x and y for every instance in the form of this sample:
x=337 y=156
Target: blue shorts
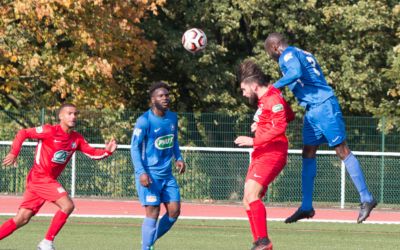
x=323 y=123
x=160 y=191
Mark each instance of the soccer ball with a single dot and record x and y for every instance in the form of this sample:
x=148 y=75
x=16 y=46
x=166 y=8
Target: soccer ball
x=194 y=40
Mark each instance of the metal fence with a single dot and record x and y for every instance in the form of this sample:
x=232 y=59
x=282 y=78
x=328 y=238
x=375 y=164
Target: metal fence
x=216 y=169
x=218 y=174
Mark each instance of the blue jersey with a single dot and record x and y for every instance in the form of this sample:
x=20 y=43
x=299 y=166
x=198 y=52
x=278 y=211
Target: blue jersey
x=304 y=77
x=154 y=143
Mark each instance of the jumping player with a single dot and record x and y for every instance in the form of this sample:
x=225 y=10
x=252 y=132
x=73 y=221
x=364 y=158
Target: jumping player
x=270 y=145
x=56 y=145
x=154 y=143
x=323 y=122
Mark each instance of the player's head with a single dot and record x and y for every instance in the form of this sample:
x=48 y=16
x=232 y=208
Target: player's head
x=67 y=114
x=274 y=45
x=159 y=96
x=252 y=79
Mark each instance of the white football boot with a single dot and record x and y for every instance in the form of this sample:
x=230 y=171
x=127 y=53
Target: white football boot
x=45 y=245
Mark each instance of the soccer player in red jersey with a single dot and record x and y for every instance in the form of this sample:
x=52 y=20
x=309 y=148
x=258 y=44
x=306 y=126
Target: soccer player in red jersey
x=56 y=145
x=270 y=145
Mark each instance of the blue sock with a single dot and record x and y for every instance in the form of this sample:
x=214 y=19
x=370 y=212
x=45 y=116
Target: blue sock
x=164 y=225
x=309 y=171
x=148 y=232
x=354 y=169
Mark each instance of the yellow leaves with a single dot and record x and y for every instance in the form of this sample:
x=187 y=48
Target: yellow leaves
x=91 y=42
x=394 y=92
x=65 y=3
x=13 y=58
x=123 y=25
x=34 y=62
x=87 y=39
x=61 y=86
x=61 y=69
x=98 y=2
x=22 y=8
x=2 y=71
x=96 y=66
x=43 y=9
x=396 y=10
x=75 y=46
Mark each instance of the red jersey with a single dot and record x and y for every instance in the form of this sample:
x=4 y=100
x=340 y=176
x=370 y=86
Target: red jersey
x=272 y=118
x=55 y=148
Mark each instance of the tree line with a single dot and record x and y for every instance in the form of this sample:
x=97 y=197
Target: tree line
x=103 y=54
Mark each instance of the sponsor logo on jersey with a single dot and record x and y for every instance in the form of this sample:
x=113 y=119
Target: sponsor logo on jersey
x=172 y=127
x=39 y=130
x=156 y=130
x=277 y=108
x=137 y=132
x=61 y=190
x=151 y=198
x=60 y=156
x=288 y=56
x=164 y=142
x=73 y=145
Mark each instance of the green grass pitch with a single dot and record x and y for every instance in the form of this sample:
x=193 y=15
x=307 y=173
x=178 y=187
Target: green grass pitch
x=121 y=234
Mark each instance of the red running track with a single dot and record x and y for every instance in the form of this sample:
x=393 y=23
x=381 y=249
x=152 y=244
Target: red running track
x=128 y=208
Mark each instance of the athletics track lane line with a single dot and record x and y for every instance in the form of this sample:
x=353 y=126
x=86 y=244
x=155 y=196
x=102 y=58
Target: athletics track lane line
x=132 y=209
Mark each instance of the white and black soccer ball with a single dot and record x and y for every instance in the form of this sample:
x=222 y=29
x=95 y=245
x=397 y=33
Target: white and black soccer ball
x=194 y=40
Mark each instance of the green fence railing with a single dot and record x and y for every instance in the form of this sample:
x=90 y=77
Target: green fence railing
x=212 y=174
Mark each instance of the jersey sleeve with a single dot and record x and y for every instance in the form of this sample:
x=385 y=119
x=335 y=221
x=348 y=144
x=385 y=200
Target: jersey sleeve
x=138 y=136
x=278 y=119
x=177 y=151
x=293 y=70
x=92 y=153
x=38 y=133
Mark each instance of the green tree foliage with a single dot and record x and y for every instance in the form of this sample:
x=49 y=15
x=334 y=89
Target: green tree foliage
x=354 y=41
x=104 y=54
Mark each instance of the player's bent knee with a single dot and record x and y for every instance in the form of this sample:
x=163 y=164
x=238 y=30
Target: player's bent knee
x=251 y=196
x=68 y=208
x=21 y=220
x=175 y=213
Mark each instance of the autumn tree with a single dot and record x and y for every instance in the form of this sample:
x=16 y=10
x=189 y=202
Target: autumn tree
x=53 y=51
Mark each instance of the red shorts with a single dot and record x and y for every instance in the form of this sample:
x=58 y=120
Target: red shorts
x=37 y=193
x=265 y=167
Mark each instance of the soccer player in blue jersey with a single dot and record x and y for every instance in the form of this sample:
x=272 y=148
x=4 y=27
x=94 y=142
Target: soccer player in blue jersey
x=154 y=144
x=323 y=121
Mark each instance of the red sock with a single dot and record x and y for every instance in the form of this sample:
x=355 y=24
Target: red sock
x=259 y=213
x=57 y=223
x=253 y=230
x=7 y=228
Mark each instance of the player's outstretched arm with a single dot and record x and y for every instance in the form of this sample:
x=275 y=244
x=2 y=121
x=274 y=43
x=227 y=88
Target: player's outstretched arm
x=10 y=159
x=96 y=153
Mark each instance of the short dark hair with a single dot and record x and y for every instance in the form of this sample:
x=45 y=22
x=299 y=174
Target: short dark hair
x=274 y=38
x=157 y=85
x=249 y=71
x=65 y=105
